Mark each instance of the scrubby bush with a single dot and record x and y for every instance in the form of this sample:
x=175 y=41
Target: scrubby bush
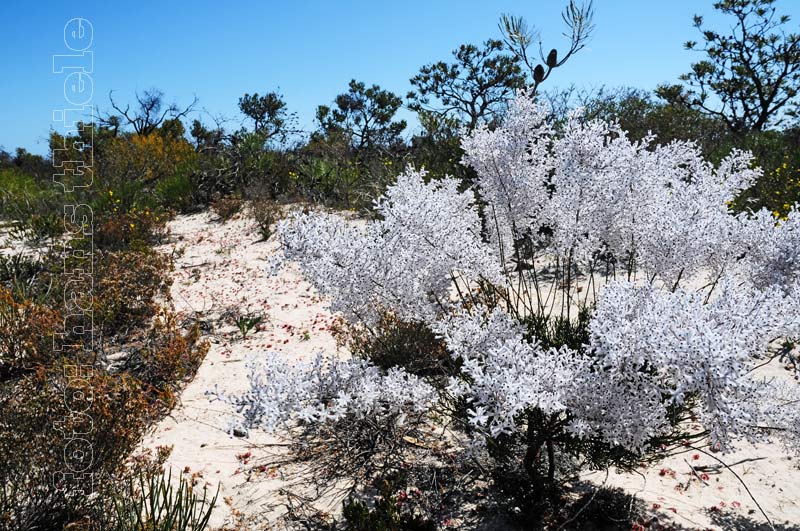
x=116 y=230
x=130 y=286
x=30 y=206
x=177 y=193
x=167 y=358
x=388 y=514
x=392 y=342
x=266 y=214
x=227 y=206
x=601 y=297
x=146 y=159
x=35 y=495
x=25 y=334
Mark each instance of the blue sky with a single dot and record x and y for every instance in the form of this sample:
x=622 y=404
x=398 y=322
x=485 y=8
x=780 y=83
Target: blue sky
x=309 y=50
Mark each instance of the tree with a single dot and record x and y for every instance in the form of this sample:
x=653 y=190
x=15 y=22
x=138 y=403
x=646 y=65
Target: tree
x=204 y=137
x=474 y=87
x=365 y=115
x=519 y=38
x=752 y=72
x=437 y=146
x=268 y=113
x=149 y=113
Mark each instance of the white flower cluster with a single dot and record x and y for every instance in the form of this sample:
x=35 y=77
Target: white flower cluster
x=406 y=261
x=583 y=191
x=324 y=389
x=770 y=254
x=507 y=374
x=649 y=344
x=597 y=191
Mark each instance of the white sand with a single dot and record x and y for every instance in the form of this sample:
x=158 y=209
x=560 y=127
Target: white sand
x=222 y=267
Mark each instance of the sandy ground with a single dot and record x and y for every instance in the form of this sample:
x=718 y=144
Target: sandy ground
x=221 y=267
x=219 y=270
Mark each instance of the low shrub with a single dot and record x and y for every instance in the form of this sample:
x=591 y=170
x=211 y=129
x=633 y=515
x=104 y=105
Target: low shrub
x=33 y=207
x=176 y=193
x=38 y=227
x=392 y=511
x=18 y=274
x=136 y=227
x=227 y=206
x=266 y=213
x=26 y=331
x=393 y=342
x=168 y=357
x=127 y=287
x=90 y=424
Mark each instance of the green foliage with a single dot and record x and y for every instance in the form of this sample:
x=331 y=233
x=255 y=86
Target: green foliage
x=245 y=323
x=176 y=193
x=558 y=330
x=268 y=113
x=437 y=147
x=384 y=517
x=365 y=117
x=753 y=72
x=153 y=502
x=328 y=171
x=18 y=275
x=33 y=208
x=778 y=189
x=395 y=343
x=474 y=87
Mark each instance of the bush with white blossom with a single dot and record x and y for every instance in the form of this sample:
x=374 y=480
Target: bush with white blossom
x=686 y=300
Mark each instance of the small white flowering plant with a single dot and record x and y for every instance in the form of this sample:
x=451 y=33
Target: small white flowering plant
x=598 y=299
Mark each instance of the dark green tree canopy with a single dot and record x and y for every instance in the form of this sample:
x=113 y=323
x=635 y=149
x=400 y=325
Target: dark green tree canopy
x=268 y=113
x=751 y=75
x=365 y=115
x=474 y=87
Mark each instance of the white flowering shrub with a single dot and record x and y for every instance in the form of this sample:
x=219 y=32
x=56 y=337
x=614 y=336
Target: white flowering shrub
x=684 y=300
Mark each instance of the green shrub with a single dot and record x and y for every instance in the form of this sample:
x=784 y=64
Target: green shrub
x=266 y=213
x=390 y=513
x=176 y=193
x=396 y=343
x=18 y=275
x=152 y=501
x=34 y=208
